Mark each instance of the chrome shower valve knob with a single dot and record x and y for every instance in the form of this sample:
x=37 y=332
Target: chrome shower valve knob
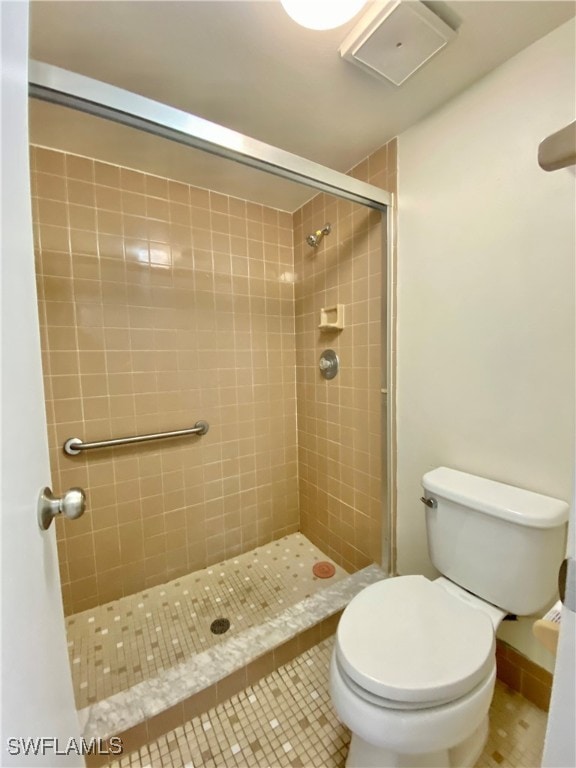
x=72 y=505
x=328 y=364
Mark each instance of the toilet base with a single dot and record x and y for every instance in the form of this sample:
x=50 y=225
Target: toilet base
x=362 y=754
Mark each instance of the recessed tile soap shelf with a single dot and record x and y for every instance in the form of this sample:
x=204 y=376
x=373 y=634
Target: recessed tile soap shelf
x=332 y=318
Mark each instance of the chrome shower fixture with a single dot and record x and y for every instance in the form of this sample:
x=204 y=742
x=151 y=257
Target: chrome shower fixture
x=315 y=239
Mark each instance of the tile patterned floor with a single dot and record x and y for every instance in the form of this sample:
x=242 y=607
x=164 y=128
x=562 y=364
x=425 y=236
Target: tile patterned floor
x=116 y=645
x=517 y=730
x=287 y=720
x=151 y=697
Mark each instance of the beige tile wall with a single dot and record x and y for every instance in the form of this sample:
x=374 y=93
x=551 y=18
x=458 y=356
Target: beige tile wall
x=162 y=304
x=341 y=432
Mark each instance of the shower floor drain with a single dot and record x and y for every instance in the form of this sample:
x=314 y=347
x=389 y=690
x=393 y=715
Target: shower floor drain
x=219 y=626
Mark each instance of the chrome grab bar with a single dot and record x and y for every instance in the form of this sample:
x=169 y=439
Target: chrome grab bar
x=73 y=446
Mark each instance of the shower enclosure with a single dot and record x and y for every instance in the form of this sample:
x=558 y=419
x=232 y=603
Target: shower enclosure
x=164 y=305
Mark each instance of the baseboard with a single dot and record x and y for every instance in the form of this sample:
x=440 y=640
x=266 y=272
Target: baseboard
x=523 y=675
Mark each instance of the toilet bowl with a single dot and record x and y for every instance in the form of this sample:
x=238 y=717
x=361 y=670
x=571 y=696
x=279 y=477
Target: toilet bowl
x=412 y=674
x=413 y=668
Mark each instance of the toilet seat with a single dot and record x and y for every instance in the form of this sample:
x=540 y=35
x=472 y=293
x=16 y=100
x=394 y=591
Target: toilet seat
x=378 y=701
x=408 y=643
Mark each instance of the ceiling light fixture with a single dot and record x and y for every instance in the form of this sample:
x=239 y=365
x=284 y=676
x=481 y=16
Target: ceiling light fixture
x=322 y=14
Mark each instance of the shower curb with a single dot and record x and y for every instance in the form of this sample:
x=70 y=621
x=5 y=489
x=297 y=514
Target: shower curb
x=150 y=698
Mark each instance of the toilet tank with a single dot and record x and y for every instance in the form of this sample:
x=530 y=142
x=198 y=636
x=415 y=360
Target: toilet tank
x=502 y=543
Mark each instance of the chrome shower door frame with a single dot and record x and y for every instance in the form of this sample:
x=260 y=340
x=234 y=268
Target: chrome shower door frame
x=60 y=86
x=69 y=89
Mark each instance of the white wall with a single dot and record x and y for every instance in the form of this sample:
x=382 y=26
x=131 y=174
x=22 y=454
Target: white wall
x=560 y=745
x=37 y=697
x=486 y=264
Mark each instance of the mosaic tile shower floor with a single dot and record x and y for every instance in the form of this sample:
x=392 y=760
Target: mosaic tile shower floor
x=116 y=645
x=286 y=719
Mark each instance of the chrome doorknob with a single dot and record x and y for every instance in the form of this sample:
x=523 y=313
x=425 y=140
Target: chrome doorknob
x=72 y=505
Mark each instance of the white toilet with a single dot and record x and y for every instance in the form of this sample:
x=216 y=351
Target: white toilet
x=413 y=669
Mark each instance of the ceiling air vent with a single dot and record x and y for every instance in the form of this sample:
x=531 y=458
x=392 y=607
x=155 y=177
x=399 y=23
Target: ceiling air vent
x=395 y=38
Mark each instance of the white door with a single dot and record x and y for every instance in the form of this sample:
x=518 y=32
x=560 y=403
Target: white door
x=560 y=744
x=37 y=698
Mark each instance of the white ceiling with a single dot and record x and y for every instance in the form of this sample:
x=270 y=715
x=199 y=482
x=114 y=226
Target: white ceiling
x=246 y=65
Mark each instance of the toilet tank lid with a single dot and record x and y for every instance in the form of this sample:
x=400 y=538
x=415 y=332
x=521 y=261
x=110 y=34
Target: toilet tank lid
x=507 y=502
